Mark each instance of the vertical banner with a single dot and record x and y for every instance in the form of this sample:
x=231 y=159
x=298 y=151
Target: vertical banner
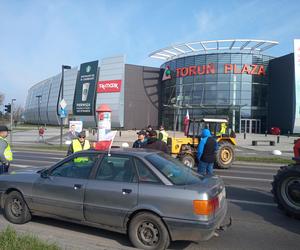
x=297 y=85
x=85 y=91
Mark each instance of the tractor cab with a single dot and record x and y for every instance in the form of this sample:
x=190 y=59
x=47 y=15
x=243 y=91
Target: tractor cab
x=218 y=128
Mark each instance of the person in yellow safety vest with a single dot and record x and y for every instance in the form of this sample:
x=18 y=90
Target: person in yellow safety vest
x=222 y=130
x=163 y=135
x=6 y=156
x=79 y=144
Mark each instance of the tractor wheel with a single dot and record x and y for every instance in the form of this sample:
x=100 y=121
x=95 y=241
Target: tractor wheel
x=286 y=190
x=188 y=160
x=225 y=155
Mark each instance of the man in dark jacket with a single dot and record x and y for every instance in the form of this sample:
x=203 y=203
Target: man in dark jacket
x=206 y=153
x=154 y=143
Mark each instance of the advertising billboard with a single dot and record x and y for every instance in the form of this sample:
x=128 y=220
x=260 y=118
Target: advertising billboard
x=85 y=91
x=297 y=85
x=109 y=86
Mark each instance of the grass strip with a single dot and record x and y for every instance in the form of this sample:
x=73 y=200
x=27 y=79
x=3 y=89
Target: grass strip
x=264 y=159
x=42 y=147
x=11 y=240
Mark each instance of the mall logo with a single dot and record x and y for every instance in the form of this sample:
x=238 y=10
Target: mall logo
x=88 y=69
x=167 y=74
x=250 y=69
x=109 y=86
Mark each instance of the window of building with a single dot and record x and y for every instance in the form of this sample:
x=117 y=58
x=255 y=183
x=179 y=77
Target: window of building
x=223 y=97
x=224 y=77
x=247 y=59
x=223 y=86
x=236 y=59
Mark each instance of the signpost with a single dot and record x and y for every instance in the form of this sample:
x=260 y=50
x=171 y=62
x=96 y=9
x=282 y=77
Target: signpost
x=63 y=103
x=63 y=111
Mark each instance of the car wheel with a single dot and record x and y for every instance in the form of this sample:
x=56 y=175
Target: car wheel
x=15 y=208
x=147 y=231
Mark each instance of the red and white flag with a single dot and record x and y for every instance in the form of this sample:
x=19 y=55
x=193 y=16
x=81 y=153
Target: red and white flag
x=186 y=122
x=106 y=141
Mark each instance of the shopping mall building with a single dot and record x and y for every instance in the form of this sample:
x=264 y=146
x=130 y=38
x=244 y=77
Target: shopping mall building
x=235 y=79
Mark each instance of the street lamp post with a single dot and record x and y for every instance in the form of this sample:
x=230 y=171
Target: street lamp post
x=233 y=102
x=39 y=108
x=63 y=67
x=11 y=120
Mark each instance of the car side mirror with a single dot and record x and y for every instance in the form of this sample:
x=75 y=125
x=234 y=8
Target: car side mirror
x=45 y=174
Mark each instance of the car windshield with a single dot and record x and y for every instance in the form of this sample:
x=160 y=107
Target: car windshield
x=173 y=169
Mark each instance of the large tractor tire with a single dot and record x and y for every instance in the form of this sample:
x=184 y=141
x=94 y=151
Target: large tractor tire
x=286 y=190
x=188 y=160
x=225 y=155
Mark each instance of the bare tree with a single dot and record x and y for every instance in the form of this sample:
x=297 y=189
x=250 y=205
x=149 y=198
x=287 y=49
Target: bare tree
x=17 y=113
x=2 y=96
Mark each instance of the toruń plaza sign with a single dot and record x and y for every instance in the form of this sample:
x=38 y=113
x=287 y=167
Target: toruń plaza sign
x=250 y=69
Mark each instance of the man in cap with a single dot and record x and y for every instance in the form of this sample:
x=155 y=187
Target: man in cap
x=79 y=144
x=141 y=141
x=6 y=155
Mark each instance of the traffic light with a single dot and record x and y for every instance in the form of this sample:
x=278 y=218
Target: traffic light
x=7 y=108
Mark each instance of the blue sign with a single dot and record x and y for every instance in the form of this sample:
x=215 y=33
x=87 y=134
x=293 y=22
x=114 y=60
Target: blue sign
x=63 y=113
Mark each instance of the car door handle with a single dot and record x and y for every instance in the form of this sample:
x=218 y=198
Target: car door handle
x=77 y=186
x=126 y=191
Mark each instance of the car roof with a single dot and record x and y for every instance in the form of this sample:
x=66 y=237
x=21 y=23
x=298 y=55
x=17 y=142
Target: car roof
x=128 y=151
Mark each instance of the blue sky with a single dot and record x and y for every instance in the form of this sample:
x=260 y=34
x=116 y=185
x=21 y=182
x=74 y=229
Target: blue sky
x=37 y=37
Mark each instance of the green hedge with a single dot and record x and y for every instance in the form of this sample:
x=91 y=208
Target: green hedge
x=10 y=240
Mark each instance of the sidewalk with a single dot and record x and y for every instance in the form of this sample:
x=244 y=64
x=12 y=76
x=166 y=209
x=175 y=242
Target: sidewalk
x=52 y=137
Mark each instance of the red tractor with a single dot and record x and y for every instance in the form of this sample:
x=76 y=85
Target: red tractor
x=286 y=185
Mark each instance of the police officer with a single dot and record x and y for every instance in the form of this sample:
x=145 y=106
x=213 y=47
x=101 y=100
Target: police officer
x=163 y=135
x=79 y=144
x=6 y=155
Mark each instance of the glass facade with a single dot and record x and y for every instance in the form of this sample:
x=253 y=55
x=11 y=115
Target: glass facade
x=43 y=109
x=234 y=89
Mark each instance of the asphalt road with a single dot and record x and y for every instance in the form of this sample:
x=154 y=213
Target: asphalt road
x=257 y=223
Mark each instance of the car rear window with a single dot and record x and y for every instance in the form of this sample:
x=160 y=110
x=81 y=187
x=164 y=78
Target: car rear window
x=173 y=169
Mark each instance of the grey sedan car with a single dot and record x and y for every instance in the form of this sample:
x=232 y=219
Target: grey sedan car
x=146 y=194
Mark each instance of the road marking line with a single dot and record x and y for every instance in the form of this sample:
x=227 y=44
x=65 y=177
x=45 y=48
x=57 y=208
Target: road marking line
x=253 y=202
x=32 y=157
x=20 y=166
x=245 y=178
